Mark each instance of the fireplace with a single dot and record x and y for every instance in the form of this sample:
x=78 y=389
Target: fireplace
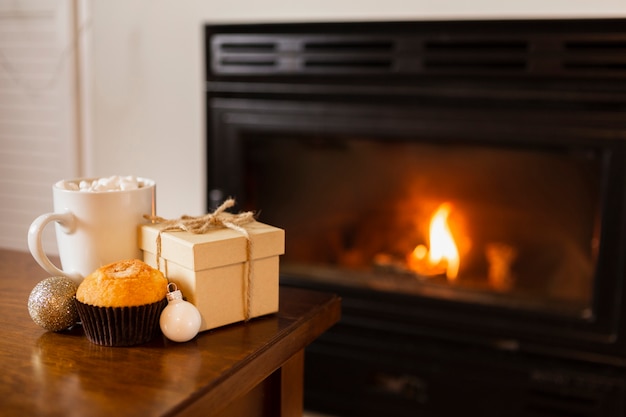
x=462 y=185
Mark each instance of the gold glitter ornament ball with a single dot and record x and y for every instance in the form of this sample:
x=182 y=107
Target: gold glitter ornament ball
x=51 y=304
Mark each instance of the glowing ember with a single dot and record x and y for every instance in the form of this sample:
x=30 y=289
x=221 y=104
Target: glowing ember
x=443 y=255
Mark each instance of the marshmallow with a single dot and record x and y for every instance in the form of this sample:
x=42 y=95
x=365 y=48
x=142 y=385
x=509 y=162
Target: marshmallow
x=113 y=183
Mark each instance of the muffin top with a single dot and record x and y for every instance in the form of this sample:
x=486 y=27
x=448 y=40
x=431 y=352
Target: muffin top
x=123 y=284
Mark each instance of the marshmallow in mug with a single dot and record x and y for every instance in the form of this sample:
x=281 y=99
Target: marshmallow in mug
x=113 y=183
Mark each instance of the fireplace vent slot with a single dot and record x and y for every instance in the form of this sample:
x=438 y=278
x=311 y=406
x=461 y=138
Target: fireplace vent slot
x=343 y=47
x=477 y=46
x=247 y=47
x=357 y=55
x=250 y=62
x=475 y=55
x=596 y=56
x=610 y=46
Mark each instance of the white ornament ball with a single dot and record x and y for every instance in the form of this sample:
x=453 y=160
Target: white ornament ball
x=180 y=320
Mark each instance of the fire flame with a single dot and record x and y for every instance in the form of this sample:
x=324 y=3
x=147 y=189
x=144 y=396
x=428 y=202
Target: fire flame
x=443 y=255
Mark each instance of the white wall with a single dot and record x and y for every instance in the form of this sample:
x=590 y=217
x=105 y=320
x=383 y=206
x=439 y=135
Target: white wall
x=38 y=112
x=146 y=102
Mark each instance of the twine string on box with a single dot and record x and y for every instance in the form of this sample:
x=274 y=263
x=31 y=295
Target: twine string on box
x=202 y=224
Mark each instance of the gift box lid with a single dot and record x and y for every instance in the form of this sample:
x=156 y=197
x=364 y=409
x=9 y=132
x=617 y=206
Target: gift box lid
x=218 y=247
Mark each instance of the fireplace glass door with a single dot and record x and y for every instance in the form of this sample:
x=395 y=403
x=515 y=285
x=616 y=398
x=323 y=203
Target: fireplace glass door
x=505 y=226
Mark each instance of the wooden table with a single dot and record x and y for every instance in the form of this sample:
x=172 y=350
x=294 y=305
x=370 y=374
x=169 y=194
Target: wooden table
x=252 y=369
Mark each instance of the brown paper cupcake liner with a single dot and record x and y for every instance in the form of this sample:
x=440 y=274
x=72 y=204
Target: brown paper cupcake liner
x=120 y=326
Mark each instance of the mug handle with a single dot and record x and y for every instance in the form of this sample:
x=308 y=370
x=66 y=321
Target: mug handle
x=67 y=221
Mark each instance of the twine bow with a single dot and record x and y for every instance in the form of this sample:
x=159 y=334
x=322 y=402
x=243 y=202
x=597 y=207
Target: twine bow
x=202 y=224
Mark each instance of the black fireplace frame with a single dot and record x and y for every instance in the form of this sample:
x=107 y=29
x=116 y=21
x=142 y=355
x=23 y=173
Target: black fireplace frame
x=544 y=83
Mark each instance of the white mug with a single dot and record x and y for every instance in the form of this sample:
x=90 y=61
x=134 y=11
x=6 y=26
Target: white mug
x=93 y=228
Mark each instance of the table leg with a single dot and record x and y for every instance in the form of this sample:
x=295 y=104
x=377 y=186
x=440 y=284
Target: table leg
x=292 y=386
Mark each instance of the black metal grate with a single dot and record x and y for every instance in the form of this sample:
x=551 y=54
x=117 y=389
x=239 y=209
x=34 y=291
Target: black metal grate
x=526 y=54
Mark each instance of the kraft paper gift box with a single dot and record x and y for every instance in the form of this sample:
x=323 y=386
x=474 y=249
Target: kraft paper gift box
x=212 y=269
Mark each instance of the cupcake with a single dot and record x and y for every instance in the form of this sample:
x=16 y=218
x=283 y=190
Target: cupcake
x=120 y=304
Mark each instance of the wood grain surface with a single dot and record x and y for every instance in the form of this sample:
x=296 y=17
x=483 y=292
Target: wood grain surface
x=247 y=366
